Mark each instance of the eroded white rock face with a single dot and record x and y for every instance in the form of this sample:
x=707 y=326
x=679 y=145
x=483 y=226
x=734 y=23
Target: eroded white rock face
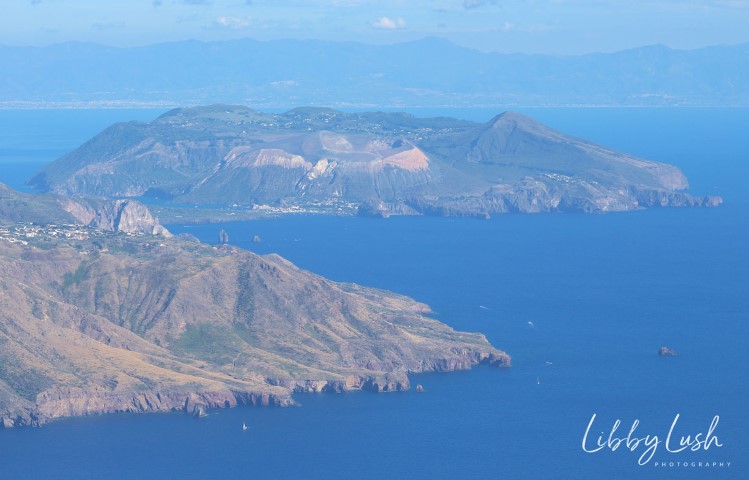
x=83 y=214
x=280 y=158
x=127 y=216
x=412 y=160
x=245 y=156
x=322 y=168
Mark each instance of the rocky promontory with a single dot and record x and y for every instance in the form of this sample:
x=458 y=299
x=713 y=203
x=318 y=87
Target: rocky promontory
x=121 y=215
x=101 y=323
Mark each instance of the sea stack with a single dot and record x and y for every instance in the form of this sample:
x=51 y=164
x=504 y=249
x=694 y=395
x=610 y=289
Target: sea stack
x=223 y=237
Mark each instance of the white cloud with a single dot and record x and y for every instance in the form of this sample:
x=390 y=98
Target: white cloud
x=285 y=83
x=470 y=4
x=236 y=23
x=387 y=23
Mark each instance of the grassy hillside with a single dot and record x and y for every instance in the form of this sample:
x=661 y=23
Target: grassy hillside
x=129 y=324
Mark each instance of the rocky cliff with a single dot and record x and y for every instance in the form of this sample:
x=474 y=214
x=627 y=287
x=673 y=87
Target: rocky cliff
x=231 y=155
x=126 y=216
x=122 y=323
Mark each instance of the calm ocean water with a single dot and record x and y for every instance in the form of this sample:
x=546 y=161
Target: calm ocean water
x=602 y=293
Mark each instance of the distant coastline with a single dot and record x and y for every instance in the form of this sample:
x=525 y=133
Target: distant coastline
x=432 y=72
x=344 y=106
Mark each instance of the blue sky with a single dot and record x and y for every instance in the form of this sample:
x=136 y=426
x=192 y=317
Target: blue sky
x=531 y=26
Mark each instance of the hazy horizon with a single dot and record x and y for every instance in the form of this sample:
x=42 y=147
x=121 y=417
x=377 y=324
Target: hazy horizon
x=399 y=42
x=533 y=27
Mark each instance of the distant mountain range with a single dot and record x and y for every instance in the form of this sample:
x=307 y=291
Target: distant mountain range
x=428 y=72
x=374 y=163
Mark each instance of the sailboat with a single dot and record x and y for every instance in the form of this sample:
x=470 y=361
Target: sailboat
x=244 y=426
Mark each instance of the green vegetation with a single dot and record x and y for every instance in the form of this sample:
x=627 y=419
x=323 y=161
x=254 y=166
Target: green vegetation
x=80 y=274
x=208 y=342
x=26 y=381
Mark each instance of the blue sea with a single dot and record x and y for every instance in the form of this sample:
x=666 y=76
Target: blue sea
x=581 y=302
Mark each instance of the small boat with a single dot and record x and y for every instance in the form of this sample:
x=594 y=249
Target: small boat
x=530 y=324
x=549 y=363
x=538 y=381
x=244 y=426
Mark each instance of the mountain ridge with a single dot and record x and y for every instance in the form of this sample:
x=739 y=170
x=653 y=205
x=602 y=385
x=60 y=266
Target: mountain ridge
x=143 y=358
x=406 y=74
x=370 y=162
x=98 y=320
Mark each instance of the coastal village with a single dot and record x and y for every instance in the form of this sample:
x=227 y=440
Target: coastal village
x=50 y=234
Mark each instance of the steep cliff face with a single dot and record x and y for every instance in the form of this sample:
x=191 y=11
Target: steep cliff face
x=233 y=155
x=126 y=216
x=133 y=325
